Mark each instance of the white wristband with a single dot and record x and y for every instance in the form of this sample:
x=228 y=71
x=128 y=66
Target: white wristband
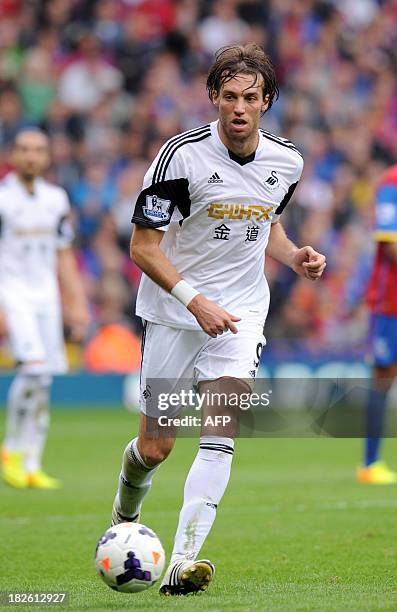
x=184 y=292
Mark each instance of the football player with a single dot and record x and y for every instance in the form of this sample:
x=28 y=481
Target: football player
x=209 y=209
x=36 y=261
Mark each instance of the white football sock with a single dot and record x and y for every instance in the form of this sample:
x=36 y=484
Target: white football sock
x=134 y=482
x=205 y=485
x=21 y=404
x=37 y=431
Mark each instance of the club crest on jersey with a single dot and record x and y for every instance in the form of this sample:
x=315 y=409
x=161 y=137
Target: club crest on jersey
x=272 y=181
x=156 y=208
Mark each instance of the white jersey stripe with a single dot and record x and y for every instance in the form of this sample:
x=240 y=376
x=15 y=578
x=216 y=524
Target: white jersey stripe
x=282 y=142
x=177 y=146
x=168 y=147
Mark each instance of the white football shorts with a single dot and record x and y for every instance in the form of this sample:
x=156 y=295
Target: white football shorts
x=36 y=338
x=183 y=355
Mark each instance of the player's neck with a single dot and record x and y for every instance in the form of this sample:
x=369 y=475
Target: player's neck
x=242 y=149
x=27 y=181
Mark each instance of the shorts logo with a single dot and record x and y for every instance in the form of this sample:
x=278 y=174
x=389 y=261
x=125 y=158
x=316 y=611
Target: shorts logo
x=156 y=208
x=259 y=348
x=147 y=394
x=255 y=212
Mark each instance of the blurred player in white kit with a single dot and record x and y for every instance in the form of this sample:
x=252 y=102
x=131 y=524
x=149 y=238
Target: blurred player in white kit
x=37 y=265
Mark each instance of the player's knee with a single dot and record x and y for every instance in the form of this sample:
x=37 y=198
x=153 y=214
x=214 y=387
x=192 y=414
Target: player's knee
x=45 y=380
x=27 y=381
x=154 y=452
x=34 y=369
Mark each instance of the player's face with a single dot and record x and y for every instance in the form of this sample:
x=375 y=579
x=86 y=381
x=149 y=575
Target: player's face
x=30 y=154
x=240 y=103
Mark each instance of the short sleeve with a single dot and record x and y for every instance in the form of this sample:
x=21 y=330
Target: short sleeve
x=65 y=232
x=386 y=214
x=165 y=191
x=294 y=183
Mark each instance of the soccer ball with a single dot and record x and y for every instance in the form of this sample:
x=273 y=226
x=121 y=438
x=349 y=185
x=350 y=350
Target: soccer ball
x=129 y=557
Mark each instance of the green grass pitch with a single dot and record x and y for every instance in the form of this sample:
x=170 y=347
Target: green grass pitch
x=294 y=530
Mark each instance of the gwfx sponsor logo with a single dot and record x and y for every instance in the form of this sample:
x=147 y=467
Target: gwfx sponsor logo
x=240 y=211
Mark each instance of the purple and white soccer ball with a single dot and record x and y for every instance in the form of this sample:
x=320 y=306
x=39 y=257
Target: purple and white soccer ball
x=129 y=557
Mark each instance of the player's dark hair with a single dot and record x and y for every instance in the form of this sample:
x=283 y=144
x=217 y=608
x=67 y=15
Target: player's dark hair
x=28 y=130
x=243 y=59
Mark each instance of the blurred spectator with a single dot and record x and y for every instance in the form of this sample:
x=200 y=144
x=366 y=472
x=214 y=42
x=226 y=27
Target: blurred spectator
x=11 y=118
x=89 y=78
x=107 y=21
x=92 y=197
x=135 y=51
x=129 y=184
x=37 y=85
x=222 y=26
x=113 y=347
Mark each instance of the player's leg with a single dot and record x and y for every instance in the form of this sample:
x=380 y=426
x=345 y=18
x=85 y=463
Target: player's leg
x=167 y=354
x=141 y=459
x=209 y=474
x=204 y=488
x=36 y=437
x=23 y=395
x=374 y=470
x=21 y=408
x=384 y=339
x=50 y=329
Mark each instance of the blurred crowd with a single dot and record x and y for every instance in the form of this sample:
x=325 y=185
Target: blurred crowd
x=111 y=80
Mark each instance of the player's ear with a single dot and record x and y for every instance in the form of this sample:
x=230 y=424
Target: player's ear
x=215 y=97
x=265 y=103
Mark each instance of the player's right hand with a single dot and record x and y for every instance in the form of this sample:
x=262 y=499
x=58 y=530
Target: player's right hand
x=213 y=319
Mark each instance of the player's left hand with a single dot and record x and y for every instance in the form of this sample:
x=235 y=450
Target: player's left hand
x=78 y=319
x=308 y=263
x=3 y=324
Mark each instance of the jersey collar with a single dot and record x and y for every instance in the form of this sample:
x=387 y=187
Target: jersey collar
x=12 y=179
x=223 y=149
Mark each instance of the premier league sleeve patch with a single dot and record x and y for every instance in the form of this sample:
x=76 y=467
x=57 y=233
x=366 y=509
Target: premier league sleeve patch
x=155 y=205
x=156 y=209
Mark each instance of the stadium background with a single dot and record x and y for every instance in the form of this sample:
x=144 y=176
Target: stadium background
x=110 y=80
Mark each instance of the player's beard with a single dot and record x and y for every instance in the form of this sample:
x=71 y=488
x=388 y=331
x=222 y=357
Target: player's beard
x=28 y=176
x=240 y=138
x=28 y=179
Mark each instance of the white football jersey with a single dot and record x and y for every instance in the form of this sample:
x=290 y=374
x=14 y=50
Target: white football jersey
x=32 y=228
x=216 y=210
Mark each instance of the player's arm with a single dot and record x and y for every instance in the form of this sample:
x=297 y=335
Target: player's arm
x=304 y=261
x=76 y=312
x=146 y=253
x=3 y=323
